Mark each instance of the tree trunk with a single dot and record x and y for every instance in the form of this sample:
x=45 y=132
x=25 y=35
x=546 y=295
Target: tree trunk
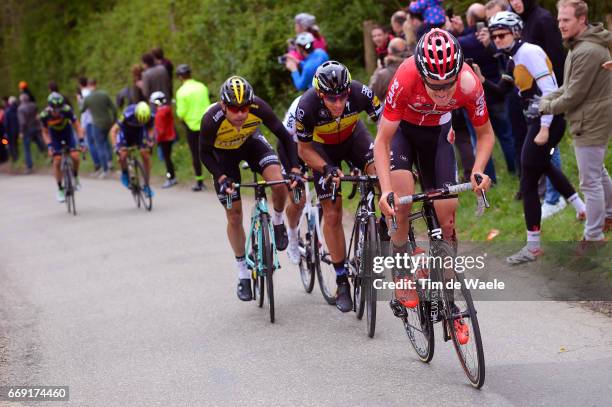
x=369 y=52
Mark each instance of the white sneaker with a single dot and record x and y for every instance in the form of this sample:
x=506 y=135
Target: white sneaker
x=77 y=184
x=524 y=255
x=61 y=197
x=293 y=251
x=549 y=210
x=103 y=175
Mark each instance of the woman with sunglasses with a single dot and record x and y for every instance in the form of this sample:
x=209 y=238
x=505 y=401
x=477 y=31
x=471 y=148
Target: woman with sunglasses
x=230 y=133
x=329 y=131
x=534 y=77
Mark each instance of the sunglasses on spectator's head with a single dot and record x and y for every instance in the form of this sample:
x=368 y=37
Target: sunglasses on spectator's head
x=336 y=98
x=501 y=36
x=239 y=109
x=443 y=86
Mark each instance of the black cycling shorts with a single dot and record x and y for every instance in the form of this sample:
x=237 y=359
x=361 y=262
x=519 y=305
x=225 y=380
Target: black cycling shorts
x=255 y=150
x=427 y=148
x=358 y=150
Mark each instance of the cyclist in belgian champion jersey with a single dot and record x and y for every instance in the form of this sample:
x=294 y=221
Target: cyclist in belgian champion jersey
x=57 y=125
x=329 y=130
x=229 y=133
x=415 y=129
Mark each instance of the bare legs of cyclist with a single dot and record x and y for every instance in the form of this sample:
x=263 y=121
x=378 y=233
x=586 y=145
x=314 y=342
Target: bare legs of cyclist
x=294 y=212
x=402 y=182
x=145 y=153
x=236 y=234
x=57 y=159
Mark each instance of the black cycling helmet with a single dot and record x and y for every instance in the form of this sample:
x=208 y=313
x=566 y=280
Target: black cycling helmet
x=236 y=91
x=183 y=69
x=55 y=100
x=332 y=78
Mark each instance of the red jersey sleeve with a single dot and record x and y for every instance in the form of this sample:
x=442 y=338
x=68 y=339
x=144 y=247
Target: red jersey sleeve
x=474 y=98
x=399 y=88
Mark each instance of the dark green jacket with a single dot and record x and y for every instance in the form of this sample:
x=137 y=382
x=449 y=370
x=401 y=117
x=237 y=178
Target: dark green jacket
x=586 y=94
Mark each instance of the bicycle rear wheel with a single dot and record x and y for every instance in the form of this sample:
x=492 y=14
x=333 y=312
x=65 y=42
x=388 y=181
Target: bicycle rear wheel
x=134 y=181
x=462 y=316
x=326 y=273
x=367 y=282
x=418 y=322
x=143 y=181
x=307 y=247
x=268 y=263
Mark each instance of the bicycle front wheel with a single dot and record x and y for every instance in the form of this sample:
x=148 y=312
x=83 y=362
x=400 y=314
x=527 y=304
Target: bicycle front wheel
x=462 y=322
x=326 y=273
x=143 y=181
x=268 y=263
x=367 y=282
x=307 y=257
x=69 y=187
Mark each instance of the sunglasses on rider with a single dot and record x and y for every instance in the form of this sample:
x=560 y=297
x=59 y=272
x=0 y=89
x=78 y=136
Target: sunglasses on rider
x=501 y=36
x=336 y=98
x=239 y=109
x=444 y=86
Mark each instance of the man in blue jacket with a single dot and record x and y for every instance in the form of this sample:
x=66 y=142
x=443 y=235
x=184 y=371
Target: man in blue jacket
x=303 y=72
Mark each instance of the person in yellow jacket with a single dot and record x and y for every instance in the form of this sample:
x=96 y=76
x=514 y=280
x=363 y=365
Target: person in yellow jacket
x=191 y=102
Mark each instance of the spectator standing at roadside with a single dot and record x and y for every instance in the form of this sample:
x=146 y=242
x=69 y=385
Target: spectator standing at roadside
x=586 y=100
x=303 y=72
x=489 y=66
x=381 y=39
x=154 y=78
x=160 y=59
x=103 y=116
x=397 y=24
x=191 y=102
x=397 y=52
x=23 y=88
x=132 y=94
x=11 y=127
x=87 y=124
x=164 y=133
x=305 y=22
x=540 y=28
x=29 y=128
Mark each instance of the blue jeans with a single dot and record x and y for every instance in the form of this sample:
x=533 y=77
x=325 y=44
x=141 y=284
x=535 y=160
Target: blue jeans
x=552 y=195
x=91 y=145
x=490 y=167
x=500 y=120
x=30 y=136
x=100 y=138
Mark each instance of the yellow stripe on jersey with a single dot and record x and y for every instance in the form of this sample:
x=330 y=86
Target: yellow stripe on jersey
x=229 y=138
x=523 y=79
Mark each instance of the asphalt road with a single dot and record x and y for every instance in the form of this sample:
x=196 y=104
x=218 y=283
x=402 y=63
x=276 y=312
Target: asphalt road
x=131 y=308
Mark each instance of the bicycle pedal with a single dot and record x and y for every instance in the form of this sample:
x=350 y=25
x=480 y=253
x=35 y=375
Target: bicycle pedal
x=398 y=309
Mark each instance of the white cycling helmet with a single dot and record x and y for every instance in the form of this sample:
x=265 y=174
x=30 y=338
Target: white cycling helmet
x=506 y=20
x=158 y=98
x=305 y=40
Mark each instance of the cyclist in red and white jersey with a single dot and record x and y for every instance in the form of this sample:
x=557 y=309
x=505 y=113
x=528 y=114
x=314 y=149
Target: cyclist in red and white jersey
x=415 y=130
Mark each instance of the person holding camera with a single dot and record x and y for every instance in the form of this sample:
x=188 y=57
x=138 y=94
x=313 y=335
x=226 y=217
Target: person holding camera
x=303 y=72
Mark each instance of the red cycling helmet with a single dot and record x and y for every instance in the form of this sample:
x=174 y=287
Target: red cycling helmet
x=438 y=55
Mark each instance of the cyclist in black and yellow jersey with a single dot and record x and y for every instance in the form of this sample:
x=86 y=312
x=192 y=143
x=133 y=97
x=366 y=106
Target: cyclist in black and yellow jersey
x=329 y=130
x=229 y=133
